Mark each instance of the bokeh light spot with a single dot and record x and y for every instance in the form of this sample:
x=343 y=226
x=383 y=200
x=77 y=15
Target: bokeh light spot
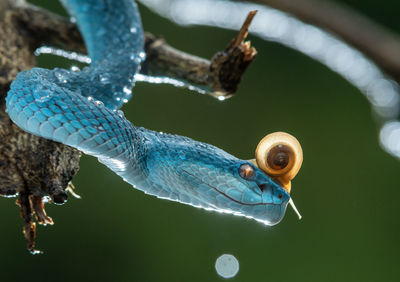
x=227 y=266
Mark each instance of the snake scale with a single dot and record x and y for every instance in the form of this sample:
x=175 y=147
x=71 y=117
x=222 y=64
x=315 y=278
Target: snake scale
x=81 y=109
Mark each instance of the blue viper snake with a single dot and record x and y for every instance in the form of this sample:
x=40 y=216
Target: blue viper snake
x=81 y=109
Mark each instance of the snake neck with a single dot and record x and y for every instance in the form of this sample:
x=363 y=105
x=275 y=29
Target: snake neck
x=115 y=61
x=170 y=164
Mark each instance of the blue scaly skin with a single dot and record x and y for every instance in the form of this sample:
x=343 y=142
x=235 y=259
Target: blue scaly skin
x=80 y=109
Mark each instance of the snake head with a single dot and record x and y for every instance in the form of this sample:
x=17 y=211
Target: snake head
x=232 y=186
x=205 y=176
x=254 y=194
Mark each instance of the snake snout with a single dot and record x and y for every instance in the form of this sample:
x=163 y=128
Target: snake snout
x=274 y=202
x=265 y=187
x=273 y=191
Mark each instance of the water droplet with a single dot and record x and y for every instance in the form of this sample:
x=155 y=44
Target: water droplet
x=131 y=79
x=90 y=98
x=120 y=113
x=133 y=29
x=132 y=56
x=61 y=75
x=142 y=55
x=75 y=69
x=44 y=99
x=125 y=100
x=66 y=54
x=35 y=252
x=127 y=90
x=227 y=266
x=118 y=99
x=221 y=98
x=99 y=103
x=46 y=199
x=72 y=20
x=104 y=78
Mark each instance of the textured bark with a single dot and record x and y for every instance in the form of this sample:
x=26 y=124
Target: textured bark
x=30 y=167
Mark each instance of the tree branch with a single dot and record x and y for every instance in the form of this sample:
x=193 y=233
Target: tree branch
x=375 y=41
x=218 y=77
x=30 y=167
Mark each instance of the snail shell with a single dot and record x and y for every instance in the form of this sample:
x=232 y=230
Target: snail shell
x=280 y=156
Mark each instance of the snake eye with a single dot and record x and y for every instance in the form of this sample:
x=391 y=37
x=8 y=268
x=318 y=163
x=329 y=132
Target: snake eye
x=246 y=171
x=280 y=155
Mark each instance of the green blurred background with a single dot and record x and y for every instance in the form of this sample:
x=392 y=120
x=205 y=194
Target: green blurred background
x=347 y=190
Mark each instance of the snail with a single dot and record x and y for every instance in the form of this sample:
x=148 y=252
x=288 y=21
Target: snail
x=280 y=156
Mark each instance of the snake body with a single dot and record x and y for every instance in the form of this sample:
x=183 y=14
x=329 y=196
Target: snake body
x=80 y=109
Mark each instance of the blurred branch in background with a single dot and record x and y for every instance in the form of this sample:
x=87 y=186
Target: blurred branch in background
x=374 y=40
x=380 y=45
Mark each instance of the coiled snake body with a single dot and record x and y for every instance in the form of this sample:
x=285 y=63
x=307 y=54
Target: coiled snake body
x=80 y=109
